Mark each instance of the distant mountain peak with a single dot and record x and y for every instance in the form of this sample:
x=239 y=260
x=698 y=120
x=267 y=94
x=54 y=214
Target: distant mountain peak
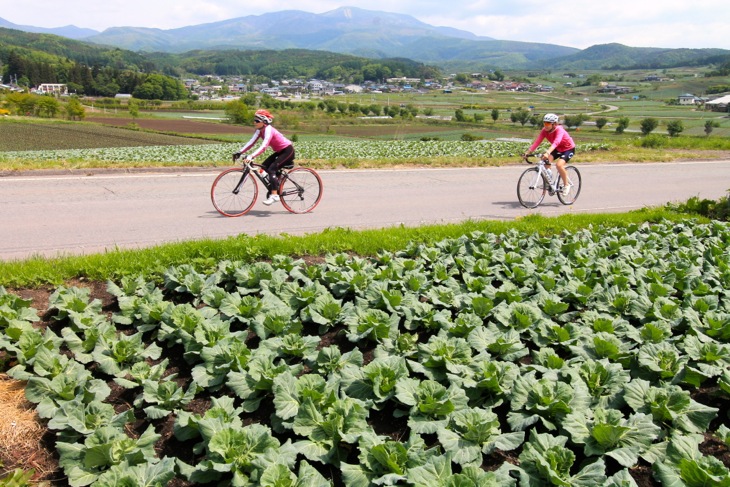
x=376 y=35
x=70 y=31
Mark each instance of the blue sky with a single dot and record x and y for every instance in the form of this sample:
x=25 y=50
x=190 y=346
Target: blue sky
x=573 y=23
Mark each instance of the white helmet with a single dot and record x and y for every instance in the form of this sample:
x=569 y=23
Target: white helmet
x=550 y=117
x=263 y=116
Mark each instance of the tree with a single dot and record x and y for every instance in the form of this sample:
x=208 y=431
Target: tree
x=462 y=78
x=575 y=120
x=22 y=103
x=48 y=106
x=133 y=107
x=675 y=127
x=497 y=75
x=459 y=115
x=601 y=122
x=75 y=110
x=621 y=124
x=648 y=125
x=709 y=125
x=521 y=115
x=495 y=114
x=237 y=112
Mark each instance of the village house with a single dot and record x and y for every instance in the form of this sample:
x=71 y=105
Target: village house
x=719 y=104
x=686 y=99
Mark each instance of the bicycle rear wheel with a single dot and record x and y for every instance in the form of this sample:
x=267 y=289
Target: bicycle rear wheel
x=233 y=193
x=575 y=182
x=300 y=190
x=531 y=188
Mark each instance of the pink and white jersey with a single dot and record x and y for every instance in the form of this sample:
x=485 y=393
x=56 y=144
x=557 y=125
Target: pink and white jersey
x=270 y=137
x=559 y=138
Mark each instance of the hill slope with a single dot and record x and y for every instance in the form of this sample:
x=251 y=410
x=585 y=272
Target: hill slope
x=344 y=30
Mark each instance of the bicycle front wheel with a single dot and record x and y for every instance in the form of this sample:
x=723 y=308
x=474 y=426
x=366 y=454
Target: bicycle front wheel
x=575 y=183
x=531 y=188
x=234 y=192
x=300 y=190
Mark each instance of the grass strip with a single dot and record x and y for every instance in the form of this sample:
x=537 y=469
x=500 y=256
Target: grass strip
x=206 y=253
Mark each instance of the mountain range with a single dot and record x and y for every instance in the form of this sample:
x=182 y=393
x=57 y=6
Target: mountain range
x=377 y=35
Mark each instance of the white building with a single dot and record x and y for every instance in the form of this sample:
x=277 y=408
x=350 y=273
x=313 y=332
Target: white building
x=52 y=88
x=686 y=99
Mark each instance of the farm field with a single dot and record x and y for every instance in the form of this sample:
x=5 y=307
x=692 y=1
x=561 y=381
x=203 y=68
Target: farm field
x=56 y=135
x=484 y=358
x=177 y=125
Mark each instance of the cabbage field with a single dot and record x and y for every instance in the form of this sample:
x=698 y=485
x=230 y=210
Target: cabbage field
x=306 y=151
x=583 y=359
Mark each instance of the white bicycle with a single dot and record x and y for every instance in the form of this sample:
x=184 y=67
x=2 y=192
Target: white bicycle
x=540 y=180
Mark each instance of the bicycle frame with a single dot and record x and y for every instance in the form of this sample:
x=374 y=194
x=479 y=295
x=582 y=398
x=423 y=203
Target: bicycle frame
x=257 y=170
x=544 y=172
x=251 y=168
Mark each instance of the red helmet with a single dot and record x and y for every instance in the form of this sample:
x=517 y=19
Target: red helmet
x=263 y=116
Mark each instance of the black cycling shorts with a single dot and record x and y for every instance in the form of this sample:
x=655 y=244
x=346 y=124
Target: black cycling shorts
x=566 y=156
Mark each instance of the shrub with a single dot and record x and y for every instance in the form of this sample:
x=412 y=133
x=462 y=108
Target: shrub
x=715 y=210
x=653 y=141
x=675 y=127
x=470 y=137
x=648 y=125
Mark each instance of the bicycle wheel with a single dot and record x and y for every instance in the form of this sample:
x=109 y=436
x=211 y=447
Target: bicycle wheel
x=531 y=188
x=232 y=193
x=575 y=181
x=300 y=190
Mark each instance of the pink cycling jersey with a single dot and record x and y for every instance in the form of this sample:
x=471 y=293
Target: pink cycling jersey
x=559 y=138
x=270 y=138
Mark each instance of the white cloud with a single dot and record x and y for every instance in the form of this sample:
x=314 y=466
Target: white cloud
x=575 y=23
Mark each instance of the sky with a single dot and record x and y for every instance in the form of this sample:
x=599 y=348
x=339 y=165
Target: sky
x=572 y=23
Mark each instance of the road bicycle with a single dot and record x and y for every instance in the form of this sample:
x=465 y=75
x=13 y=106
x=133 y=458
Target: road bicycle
x=536 y=181
x=235 y=190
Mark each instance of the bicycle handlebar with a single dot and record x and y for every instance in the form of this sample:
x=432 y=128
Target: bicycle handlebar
x=526 y=157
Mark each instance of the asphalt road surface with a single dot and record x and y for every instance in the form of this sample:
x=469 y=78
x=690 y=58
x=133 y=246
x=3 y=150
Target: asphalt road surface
x=56 y=215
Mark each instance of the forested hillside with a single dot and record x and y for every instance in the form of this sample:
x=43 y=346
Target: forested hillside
x=290 y=63
x=93 y=70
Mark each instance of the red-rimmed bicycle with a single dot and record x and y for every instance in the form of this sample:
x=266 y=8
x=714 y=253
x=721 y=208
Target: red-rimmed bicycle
x=235 y=190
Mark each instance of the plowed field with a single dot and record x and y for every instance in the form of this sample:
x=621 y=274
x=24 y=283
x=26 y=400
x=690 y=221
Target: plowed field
x=180 y=126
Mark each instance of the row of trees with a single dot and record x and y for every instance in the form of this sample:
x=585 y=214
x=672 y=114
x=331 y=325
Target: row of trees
x=44 y=106
x=646 y=125
x=241 y=111
x=92 y=80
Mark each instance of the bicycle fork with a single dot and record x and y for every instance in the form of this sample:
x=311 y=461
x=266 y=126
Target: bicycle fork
x=240 y=182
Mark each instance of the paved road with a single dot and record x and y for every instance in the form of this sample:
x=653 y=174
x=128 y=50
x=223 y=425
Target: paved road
x=78 y=214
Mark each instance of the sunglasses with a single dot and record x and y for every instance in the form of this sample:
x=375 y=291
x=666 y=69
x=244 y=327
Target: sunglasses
x=258 y=120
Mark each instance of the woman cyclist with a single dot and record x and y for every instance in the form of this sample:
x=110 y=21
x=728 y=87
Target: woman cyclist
x=270 y=137
x=561 y=150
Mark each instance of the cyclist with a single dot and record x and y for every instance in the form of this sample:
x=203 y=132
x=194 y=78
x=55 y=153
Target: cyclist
x=562 y=147
x=270 y=137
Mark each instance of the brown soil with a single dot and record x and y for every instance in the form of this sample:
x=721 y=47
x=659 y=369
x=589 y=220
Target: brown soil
x=177 y=126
